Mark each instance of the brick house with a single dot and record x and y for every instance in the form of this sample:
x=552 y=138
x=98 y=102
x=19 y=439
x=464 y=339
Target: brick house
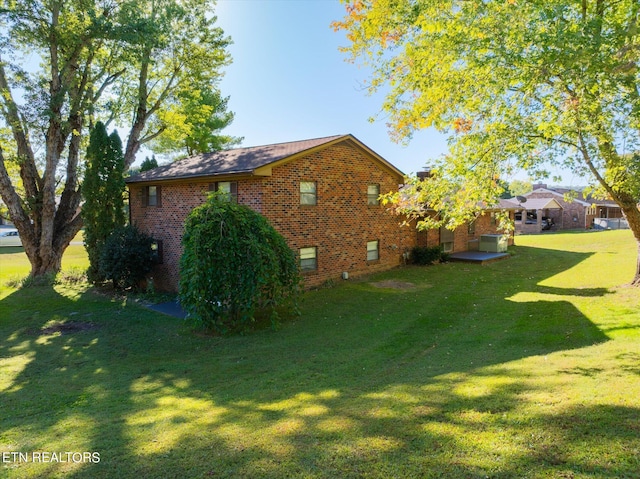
x=320 y=194
x=549 y=202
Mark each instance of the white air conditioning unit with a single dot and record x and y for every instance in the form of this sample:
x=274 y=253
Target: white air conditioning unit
x=493 y=243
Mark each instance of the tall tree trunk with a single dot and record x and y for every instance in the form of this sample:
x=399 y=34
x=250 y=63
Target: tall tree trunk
x=632 y=214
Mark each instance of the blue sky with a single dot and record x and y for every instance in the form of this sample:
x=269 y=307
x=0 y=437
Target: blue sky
x=289 y=81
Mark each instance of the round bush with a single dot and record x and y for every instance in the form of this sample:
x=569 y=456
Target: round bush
x=233 y=264
x=127 y=257
x=425 y=255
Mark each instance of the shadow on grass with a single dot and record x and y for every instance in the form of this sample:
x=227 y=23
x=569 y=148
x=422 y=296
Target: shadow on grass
x=11 y=250
x=372 y=383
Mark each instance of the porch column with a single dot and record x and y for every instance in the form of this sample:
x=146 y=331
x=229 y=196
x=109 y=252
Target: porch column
x=539 y=220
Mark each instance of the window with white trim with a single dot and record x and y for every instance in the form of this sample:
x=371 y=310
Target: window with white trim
x=373 y=195
x=308 y=194
x=373 y=250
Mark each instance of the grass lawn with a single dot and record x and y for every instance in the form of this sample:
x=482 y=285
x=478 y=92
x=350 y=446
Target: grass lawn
x=528 y=367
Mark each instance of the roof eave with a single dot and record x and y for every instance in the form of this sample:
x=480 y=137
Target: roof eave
x=199 y=178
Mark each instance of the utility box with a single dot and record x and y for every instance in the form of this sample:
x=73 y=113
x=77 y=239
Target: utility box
x=493 y=243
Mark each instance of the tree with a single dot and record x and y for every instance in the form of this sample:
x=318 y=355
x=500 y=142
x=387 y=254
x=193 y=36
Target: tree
x=123 y=61
x=103 y=189
x=233 y=263
x=520 y=187
x=203 y=115
x=148 y=164
x=517 y=85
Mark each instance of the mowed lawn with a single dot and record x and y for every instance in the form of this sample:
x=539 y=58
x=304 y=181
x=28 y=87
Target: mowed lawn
x=524 y=368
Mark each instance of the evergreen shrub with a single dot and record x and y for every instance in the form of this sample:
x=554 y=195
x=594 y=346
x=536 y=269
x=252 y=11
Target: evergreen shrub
x=425 y=255
x=127 y=257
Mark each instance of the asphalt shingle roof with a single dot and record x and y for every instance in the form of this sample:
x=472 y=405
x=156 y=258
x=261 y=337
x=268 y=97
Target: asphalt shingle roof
x=228 y=162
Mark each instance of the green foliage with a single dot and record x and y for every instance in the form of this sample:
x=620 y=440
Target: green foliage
x=172 y=85
x=127 y=257
x=151 y=67
x=103 y=189
x=425 y=255
x=519 y=187
x=203 y=115
x=148 y=164
x=517 y=86
x=234 y=263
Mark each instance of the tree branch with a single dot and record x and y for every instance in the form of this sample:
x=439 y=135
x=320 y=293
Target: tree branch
x=14 y=203
x=152 y=136
x=28 y=172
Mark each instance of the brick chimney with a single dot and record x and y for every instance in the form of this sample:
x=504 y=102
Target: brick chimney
x=425 y=173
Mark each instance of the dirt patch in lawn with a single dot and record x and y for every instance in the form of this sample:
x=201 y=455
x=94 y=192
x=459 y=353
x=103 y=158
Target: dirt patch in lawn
x=68 y=327
x=393 y=284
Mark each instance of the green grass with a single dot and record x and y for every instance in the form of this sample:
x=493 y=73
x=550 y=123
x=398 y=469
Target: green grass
x=527 y=367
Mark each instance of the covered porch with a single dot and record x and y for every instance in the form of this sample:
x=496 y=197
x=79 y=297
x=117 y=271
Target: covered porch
x=538 y=214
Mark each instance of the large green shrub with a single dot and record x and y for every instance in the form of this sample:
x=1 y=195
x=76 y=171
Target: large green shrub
x=234 y=263
x=127 y=257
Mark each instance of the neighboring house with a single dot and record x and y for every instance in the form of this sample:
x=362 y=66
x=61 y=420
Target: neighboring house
x=548 y=203
x=320 y=194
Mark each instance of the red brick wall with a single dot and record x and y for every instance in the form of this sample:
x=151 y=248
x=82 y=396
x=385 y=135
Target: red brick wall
x=339 y=226
x=166 y=223
x=341 y=223
x=463 y=240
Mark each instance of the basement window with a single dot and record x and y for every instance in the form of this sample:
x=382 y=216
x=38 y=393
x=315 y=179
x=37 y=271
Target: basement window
x=309 y=259
x=373 y=250
x=156 y=248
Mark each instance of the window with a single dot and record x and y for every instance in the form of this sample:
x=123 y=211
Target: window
x=229 y=188
x=151 y=196
x=373 y=193
x=373 y=252
x=308 y=259
x=156 y=247
x=446 y=239
x=308 y=193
